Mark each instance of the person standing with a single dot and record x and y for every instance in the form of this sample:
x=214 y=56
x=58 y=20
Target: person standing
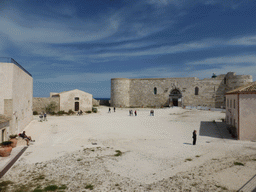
x=135 y=112
x=45 y=119
x=114 y=109
x=194 y=137
x=109 y=110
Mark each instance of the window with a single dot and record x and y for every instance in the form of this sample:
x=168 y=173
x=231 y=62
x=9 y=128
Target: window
x=234 y=104
x=155 y=90
x=227 y=103
x=196 y=90
x=225 y=80
x=230 y=103
x=76 y=98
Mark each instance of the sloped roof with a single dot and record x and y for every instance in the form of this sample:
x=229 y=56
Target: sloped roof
x=73 y=90
x=4 y=118
x=248 y=88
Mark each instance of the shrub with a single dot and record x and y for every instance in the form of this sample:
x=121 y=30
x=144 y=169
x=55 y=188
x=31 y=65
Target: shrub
x=94 y=110
x=70 y=112
x=35 y=113
x=51 y=188
x=52 y=113
x=61 y=112
x=13 y=136
x=118 y=153
x=87 y=111
x=6 y=143
x=51 y=107
x=90 y=186
x=238 y=163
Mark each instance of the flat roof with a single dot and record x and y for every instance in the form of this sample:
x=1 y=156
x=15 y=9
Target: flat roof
x=11 y=60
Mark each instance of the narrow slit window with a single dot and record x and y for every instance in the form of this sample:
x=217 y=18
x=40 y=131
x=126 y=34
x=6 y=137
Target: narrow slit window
x=196 y=91
x=155 y=90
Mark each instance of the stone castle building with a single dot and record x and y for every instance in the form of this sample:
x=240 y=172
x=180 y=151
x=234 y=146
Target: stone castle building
x=16 y=93
x=190 y=91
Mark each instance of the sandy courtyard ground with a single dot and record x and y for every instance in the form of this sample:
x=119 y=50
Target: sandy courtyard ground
x=117 y=152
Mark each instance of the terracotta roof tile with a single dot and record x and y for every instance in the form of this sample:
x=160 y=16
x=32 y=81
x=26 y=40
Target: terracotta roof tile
x=250 y=87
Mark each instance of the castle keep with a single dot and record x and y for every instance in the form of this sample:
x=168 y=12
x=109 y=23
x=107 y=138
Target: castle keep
x=190 y=91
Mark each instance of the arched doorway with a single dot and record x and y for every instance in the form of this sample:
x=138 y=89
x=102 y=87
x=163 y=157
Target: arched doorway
x=175 y=98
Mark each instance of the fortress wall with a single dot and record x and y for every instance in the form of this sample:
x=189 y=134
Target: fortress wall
x=39 y=103
x=120 y=89
x=141 y=91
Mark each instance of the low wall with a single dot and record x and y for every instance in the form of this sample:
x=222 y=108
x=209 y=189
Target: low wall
x=39 y=103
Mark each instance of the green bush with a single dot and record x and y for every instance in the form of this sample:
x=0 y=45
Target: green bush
x=51 y=188
x=87 y=111
x=6 y=143
x=13 y=136
x=51 y=107
x=70 y=112
x=61 y=112
x=35 y=113
x=94 y=110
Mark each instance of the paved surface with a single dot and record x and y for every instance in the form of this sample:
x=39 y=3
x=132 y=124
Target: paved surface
x=250 y=186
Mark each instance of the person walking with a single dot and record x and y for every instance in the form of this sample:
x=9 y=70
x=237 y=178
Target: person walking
x=194 y=137
x=135 y=112
x=114 y=109
x=45 y=115
x=109 y=110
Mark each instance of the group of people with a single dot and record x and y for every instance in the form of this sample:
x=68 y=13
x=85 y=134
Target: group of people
x=43 y=117
x=109 y=109
x=131 y=112
x=79 y=112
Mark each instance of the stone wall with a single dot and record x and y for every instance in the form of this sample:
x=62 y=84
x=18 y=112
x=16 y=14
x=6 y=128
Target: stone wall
x=141 y=92
x=39 y=103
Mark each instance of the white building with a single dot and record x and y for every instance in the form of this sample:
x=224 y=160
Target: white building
x=16 y=93
x=241 y=111
x=74 y=100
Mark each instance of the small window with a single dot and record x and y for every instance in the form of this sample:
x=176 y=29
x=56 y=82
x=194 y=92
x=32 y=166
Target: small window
x=76 y=98
x=196 y=91
x=155 y=90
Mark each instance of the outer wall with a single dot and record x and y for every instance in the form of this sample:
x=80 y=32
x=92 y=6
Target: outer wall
x=232 y=111
x=247 y=116
x=67 y=100
x=120 y=92
x=22 y=98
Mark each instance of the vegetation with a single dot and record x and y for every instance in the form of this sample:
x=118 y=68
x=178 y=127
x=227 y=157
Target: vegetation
x=51 y=107
x=6 y=143
x=87 y=111
x=89 y=186
x=35 y=113
x=13 y=136
x=118 y=153
x=94 y=110
x=70 y=112
x=61 y=112
x=188 y=159
x=51 y=188
x=4 y=185
x=238 y=163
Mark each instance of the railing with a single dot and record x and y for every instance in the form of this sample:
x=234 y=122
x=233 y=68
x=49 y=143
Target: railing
x=11 y=60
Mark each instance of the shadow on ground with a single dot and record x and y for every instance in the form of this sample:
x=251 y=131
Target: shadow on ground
x=214 y=129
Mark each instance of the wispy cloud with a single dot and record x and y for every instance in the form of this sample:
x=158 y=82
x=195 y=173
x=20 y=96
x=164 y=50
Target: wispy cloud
x=230 y=60
x=246 y=41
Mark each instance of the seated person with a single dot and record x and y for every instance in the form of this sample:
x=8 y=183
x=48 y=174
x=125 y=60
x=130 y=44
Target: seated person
x=27 y=138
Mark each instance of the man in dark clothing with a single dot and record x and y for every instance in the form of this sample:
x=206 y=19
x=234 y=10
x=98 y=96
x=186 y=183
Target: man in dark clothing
x=194 y=137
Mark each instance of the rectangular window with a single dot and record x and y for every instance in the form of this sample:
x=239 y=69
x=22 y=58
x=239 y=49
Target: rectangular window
x=76 y=98
x=231 y=103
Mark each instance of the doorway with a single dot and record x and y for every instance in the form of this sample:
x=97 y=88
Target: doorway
x=76 y=106
x=175 y=102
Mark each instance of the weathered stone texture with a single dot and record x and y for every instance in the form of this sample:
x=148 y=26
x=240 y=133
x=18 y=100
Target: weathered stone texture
x=140 y=92
x=40 y=103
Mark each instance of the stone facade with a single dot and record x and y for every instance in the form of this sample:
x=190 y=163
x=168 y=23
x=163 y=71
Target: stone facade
x=40 y=103
x=16 y=93
x=191 y=91
x=240 y=112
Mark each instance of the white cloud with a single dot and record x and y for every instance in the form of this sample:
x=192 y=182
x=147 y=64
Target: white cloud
x=246 y=41
x=226 y=60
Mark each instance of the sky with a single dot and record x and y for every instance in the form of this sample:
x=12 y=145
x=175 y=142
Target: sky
x=74 y=44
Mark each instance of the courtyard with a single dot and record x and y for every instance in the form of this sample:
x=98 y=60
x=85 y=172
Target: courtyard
x=117 y=152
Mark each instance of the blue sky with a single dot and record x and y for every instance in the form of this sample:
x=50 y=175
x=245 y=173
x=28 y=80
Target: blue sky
x=83 y=44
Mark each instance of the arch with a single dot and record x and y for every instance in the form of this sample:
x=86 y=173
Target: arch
x=155 y=90
x=196 y=90
x=175 y=97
